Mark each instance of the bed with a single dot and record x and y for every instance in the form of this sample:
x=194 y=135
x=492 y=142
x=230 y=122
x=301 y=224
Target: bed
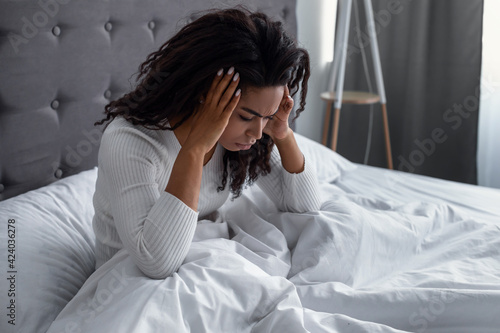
x=387 y=252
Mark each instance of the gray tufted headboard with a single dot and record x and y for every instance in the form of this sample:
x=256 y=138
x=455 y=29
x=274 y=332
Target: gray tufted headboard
x=62 y=61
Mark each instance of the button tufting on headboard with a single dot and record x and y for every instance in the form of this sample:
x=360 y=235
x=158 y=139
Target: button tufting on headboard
x=58 y=174
x=60 y=68
x=56 y=31
x=54 y=104
x=108 y=26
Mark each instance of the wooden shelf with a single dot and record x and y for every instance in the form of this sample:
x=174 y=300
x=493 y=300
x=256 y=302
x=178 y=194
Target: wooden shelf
x=352 y=97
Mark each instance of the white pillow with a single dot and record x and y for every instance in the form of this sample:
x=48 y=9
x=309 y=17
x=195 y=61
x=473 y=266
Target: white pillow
x=53 y=243
x=329 y=165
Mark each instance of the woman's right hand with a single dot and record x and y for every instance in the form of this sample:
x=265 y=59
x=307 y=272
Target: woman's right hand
x=211 y=119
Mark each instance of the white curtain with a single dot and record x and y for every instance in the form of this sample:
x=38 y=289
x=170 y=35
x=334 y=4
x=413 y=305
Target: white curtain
x=488 y=154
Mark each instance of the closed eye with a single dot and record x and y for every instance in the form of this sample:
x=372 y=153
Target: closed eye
x=245 y=119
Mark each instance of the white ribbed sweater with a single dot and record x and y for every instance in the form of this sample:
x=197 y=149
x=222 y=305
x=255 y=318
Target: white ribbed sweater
x=133 y=211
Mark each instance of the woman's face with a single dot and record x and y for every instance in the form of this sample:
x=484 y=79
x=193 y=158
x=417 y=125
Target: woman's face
x=255 y=108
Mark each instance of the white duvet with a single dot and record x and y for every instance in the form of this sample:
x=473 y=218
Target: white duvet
x=369 y=261
x=358 y=265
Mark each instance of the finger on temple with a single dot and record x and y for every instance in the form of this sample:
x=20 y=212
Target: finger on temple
x=232 y=104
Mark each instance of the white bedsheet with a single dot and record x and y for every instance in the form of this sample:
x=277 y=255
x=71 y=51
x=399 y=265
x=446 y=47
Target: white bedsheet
x=371 y=260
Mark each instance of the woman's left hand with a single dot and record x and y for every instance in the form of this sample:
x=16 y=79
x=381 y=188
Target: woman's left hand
x=277 y=128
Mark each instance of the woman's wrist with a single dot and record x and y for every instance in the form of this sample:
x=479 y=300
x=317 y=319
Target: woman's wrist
x=292 y=158
x=194 y=153
x=287 y=137
x=185 y=178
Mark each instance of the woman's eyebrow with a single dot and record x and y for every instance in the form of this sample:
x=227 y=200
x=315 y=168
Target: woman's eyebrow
x=256 y=113
x=251 y=111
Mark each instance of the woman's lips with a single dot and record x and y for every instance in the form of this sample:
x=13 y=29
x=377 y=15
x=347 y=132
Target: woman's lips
x=243 y=147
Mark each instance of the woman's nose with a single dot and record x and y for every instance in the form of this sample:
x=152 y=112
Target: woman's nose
x=255 y=129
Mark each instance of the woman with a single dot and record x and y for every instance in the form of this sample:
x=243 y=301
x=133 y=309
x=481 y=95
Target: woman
x=208 y=117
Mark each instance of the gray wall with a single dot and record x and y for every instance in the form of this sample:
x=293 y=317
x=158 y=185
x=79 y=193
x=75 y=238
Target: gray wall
x=316 y=26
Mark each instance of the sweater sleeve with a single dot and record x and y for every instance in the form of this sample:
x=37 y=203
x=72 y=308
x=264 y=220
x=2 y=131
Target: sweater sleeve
x=293 y=192
x=155 y=227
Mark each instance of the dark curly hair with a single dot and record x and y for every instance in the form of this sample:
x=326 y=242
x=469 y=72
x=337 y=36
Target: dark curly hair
x=173 y=80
